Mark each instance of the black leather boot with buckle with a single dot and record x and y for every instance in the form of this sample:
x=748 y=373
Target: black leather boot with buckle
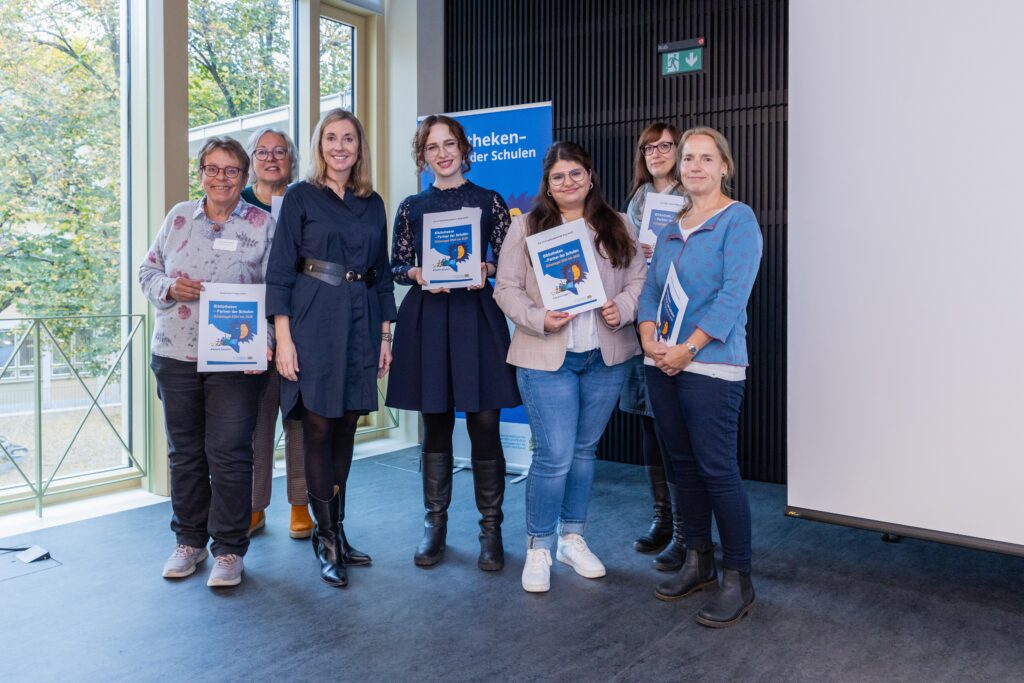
x=325 y=541
x=489 y=485
x=698 y=573
x=437 y=495
x=351 y=556
x=655 y=538
x=732 y=602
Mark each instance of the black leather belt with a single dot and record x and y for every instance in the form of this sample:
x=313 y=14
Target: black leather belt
x=334 y=273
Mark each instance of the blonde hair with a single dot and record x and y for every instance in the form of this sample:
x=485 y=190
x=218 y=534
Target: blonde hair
x=360 y=179
x=723 y=149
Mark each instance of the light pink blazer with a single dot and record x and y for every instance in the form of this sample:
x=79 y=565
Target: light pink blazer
x=517 y=294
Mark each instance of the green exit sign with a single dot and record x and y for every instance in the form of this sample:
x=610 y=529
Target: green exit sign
x=682 y=57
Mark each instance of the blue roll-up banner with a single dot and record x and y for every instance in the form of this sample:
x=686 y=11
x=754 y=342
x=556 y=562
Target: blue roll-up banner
x=508 y=147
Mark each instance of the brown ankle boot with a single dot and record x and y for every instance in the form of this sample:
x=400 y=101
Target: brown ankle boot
x=257 y=522
x=301 y=525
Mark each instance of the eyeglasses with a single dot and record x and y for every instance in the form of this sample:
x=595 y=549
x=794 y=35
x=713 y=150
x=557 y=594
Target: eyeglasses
x=433 y=149
x=663 y=147
x=263 y=153
x=212 y=171
x=558 y=179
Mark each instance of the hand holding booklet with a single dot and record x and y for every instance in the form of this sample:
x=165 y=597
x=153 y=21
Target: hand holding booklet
x=660 y=210
x=671 y=309
x=451 y=248
x=565 y=264
x=232 y=328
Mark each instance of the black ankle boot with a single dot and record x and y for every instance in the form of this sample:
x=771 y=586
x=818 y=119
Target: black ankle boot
x=351 y=556
x=325 y=541
x=698 y=573
x=671 y=558
x=437 y=494
x=734 y=599
x=489 y=485
x=658 y=535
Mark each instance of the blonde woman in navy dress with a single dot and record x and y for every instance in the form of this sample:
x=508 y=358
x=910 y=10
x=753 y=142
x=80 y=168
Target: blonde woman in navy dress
x=330 y=293
x=450 y=346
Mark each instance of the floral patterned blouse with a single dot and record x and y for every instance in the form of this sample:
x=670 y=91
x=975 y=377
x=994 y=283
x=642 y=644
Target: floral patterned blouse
x=185 y=247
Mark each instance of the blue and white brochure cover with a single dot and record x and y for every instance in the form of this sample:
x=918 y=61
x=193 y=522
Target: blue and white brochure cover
x=232 y=328
x=671 y=310
x=660 y=210
x=451 y=248
x=565 y=265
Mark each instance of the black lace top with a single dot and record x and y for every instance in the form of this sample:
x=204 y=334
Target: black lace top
x=407 y=241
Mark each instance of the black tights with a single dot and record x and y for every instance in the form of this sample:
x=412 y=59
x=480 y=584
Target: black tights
x=328 y=443
x=482 y=428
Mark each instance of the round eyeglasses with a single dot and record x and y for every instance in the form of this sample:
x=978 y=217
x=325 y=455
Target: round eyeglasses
x=663 y=147
x=211 y=171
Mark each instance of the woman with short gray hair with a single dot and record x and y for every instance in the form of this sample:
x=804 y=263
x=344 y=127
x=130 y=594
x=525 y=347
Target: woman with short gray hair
x=274 y=161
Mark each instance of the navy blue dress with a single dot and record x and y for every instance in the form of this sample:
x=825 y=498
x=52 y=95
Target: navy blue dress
x=450 y=349
x=336 y=329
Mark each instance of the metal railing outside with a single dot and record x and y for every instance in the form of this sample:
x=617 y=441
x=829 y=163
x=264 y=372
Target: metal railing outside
x=94 y=376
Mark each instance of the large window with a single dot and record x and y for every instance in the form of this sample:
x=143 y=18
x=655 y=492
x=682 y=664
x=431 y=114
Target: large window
x=239 y=65
x=337 y=65
x=61 y=83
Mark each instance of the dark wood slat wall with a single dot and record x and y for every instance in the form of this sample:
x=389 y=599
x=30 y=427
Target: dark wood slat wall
x=597 y=61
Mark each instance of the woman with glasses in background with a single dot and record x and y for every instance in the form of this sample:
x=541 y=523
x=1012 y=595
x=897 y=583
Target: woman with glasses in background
x=450 y=345
x=654 y=170
x=273 y=161
x=209 y=416
x=570 y=368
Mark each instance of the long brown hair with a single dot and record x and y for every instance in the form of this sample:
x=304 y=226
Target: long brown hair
x=360 y=179
x=651 y=134
x=613 y=241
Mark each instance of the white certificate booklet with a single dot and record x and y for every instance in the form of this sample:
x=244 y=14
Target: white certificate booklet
x=565 y=264
x=452 y=249
x=232 y=328
x=660 y=210
x=671 y=310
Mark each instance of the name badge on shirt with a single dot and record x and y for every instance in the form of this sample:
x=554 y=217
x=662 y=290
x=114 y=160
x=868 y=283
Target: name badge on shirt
x=222 y=244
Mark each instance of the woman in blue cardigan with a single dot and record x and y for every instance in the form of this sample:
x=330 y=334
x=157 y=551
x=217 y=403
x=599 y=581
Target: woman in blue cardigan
x=696 y=385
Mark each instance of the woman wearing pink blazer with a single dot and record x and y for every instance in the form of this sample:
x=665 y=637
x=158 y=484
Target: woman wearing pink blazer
x=569 y=367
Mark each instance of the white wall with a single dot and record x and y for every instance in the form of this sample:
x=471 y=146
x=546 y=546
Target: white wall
x=906 y=290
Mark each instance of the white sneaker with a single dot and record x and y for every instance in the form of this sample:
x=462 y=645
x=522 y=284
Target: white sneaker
x=183 y=561
x=573 y=551
x=227 y=571
x=537 y=571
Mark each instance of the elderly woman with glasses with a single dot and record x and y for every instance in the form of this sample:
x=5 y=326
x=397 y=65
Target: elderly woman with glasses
x=273 y=168
x=209 y=417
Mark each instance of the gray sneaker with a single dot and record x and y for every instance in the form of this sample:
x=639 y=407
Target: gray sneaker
x=183 y=561
x=227 y=571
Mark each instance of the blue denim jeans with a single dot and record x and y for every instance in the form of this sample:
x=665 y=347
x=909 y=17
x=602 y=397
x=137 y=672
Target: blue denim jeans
x=568 y=409
x=698 y=420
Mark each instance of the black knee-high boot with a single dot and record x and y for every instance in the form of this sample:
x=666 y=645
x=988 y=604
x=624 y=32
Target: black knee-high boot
x=671 y=558
x=325 y=540
x=351 y=556
x=489 y=485
x=437 y=495
x=655 y=538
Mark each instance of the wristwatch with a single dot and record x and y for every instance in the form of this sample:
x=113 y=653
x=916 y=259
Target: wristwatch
x=691 y=348
x=387 y=336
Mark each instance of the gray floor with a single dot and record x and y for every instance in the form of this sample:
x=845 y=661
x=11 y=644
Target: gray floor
x=834 y=604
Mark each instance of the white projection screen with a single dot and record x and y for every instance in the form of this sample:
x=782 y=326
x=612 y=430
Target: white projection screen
x=906 y=268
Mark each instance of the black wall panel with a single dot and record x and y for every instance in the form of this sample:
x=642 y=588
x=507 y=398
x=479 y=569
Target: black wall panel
x=597 y=61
